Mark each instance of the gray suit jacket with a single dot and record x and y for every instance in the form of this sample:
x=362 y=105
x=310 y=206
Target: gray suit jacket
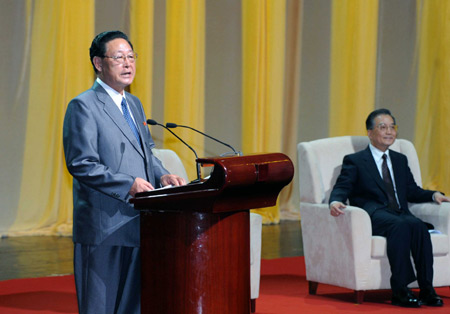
x=104 y=158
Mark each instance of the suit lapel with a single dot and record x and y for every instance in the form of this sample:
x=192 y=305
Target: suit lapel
x=140 y=120
x=116 y=116
x=373 y=170
x=141 y=126
x=396 y=167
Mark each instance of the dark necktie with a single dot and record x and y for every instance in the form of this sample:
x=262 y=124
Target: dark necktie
x=389 y=185
x=127 y=116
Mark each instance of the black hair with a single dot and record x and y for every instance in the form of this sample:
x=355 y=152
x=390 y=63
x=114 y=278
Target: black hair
x=98 y=46
x=370 y=121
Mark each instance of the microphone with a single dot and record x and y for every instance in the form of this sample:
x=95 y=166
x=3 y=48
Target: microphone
x=174 y=125
x=153 y=122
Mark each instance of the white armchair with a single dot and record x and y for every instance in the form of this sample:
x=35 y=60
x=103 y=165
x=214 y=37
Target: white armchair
x=342 y=251
x=174 y=165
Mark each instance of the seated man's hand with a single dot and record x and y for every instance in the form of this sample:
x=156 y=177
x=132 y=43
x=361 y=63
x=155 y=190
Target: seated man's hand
x=171 y=179
x=140 y=185
x=439 y=197
x=337 y=208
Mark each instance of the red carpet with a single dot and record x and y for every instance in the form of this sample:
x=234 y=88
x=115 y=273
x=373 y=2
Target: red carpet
x=46 y=295
x=284 y=290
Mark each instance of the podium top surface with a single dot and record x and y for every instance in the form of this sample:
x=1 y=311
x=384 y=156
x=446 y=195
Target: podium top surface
x=235 y=183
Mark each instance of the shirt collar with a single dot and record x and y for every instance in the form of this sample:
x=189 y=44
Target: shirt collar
x=115 y=95
x=378 y=154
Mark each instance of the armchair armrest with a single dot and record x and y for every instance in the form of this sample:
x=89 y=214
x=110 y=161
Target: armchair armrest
x=337 y=249
x=435 y=214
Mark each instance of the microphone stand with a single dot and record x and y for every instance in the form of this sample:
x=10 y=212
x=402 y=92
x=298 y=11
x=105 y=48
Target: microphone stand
x=153 y=122
x=174 y=125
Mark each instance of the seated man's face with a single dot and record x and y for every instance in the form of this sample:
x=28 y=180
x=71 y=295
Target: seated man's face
x=384 y=133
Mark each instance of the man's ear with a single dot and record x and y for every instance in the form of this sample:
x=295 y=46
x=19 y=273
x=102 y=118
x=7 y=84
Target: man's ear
x=98 y=63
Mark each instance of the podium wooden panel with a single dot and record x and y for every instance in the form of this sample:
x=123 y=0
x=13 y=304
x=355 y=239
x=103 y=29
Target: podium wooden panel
x=195 y=239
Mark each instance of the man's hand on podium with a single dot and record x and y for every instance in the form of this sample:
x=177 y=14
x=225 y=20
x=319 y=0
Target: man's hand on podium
x=171 y=179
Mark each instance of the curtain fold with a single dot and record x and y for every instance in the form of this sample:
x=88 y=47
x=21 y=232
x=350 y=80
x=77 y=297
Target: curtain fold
x=294 y=8
x=141 y=35
x=263 y=41
x=59 y=70
x=433 y=94
x=184 y=77
x=353 y=65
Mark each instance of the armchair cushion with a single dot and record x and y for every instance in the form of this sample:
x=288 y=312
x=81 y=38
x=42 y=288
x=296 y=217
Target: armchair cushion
x=378 y=247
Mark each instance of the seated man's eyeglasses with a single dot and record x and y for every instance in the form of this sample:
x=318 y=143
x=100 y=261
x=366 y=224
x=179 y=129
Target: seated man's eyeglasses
x=384 y=127
x=121 y=58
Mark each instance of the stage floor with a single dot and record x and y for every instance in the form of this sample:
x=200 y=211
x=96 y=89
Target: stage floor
x=28 y=257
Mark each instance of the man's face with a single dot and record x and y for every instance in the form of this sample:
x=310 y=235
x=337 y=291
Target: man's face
x=384 y=132
x=116 y=73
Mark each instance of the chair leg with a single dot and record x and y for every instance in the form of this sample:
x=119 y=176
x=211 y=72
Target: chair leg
x=359 y=296
x=313 y=287
x=252 y=305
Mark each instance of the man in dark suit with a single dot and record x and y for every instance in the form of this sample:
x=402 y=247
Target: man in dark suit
x=379 y=181
x=107 y=147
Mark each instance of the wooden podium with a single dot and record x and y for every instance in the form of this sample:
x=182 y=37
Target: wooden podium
x=195 y=239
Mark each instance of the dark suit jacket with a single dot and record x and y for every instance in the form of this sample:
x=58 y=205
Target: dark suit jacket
x=104 y=158
x=361 y=183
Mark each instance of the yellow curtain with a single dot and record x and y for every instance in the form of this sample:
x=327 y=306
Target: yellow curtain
x=353 y=65
x=59 y=70
x=141 y=35
x=263 y=40
x=294 y=8
x=184 y=76
x=433 y=94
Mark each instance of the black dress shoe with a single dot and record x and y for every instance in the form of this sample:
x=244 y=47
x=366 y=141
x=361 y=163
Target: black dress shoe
x=405 y=298
x=430 y=298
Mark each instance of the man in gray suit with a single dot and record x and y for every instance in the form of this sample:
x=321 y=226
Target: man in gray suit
x=107 y=146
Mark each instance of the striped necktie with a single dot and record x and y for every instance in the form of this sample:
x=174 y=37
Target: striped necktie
x=127 y=116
